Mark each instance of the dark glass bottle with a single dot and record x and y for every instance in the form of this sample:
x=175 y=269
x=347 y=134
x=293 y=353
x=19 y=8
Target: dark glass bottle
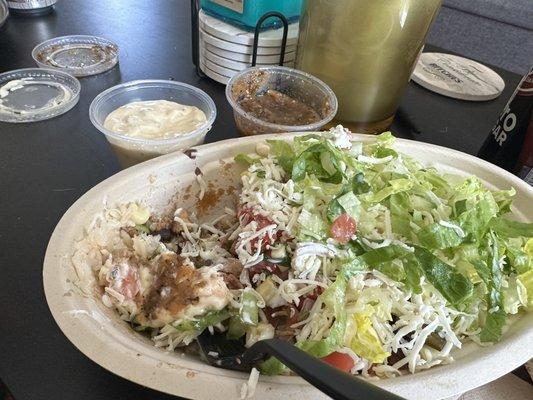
x=504 y=144
x=524 y=167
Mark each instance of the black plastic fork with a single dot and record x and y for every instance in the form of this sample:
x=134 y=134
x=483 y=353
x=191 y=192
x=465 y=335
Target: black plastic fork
x=231 y=354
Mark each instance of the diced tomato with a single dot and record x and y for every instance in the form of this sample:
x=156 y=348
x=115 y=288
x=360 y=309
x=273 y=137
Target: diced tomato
x=315 y=293
x=247 y=215
x=307 y=300
x=265 y=266
x=339 y=360
x=306 y=304
x=343 y=228
x=127 y=281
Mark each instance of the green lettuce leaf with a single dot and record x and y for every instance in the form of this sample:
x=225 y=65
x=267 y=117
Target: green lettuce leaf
x=434 y=181
x=528 y=248
x=334 y=297
x=495 y=318
x=455 y=287
x=199 y=324
x=483 y=271
x=359 y=185
x=519 y=260
x=377 y=256
x=283 y=152
x=334 y=210
x=504 y=198
x=383 y=140
x=312 y=224
x=514 y=296
x=459 y=207
x=321 y=160
x=526 y=279
x=509 y=228
x=395 y=186
x=413 y=273
x=399 y=207
x=437 y=236
x=475 y=220
x=272 y=366
x=350 y=204
x=492 y=330
x=244 y=159
x=236 y=328
x=382 y=152
x=393 y=269
x=249 y=311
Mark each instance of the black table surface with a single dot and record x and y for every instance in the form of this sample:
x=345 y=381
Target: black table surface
x=45 y=166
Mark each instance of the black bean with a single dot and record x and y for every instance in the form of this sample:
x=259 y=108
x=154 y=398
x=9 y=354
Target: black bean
x=166 y=234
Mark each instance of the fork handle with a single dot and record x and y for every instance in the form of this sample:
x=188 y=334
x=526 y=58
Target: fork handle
x=331 y=381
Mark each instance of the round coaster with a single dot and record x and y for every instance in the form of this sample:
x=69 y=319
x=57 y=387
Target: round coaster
x=35 y=94
x=218 y=69
x=240 y=48
x=231 y=64
x=247 y=58
x=233 y=34
x=214 y=75
x=457 y=77
x=79 y=55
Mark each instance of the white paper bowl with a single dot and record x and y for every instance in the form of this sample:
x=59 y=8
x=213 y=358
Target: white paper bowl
x=99 y=333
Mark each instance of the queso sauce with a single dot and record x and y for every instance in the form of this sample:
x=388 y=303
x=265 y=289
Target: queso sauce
x=154 y=119
x=278 y=108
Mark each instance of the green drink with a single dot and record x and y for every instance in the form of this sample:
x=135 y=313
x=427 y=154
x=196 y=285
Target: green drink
x=365 y=50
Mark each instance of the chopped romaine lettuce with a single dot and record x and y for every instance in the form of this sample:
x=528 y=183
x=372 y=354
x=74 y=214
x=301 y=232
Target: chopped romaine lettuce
x=244 y=159
x=508 y=228
x=334 y=298
x=200 y=323
x=283 y=152
x=249 y=311
x=395 y=186
x=362 y=338
x=350 y=204
x=437 y=236
x=383 y=254
x=495 y=318
x=455 y=287
x=526 y=279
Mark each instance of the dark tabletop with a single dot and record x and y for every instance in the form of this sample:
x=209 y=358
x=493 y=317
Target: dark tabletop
x=46 y=166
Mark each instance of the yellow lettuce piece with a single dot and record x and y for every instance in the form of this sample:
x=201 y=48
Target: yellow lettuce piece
x=363 y=339
x=526 y=279
x=528 y=247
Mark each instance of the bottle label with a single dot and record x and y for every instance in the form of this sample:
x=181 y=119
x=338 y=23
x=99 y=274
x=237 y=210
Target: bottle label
x=508 y=120
x=505 y=126
x=235 y=5
x=504 y=143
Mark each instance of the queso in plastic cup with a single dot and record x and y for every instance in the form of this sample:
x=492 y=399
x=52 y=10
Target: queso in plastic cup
x=283 y=98
x=132 y=150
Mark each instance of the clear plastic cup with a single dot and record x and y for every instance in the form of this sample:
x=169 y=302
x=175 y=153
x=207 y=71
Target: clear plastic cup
x=296 y=84
x=132 y=150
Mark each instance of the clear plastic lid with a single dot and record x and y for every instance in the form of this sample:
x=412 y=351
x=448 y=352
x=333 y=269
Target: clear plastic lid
x=35 y=94
x=79 y=55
